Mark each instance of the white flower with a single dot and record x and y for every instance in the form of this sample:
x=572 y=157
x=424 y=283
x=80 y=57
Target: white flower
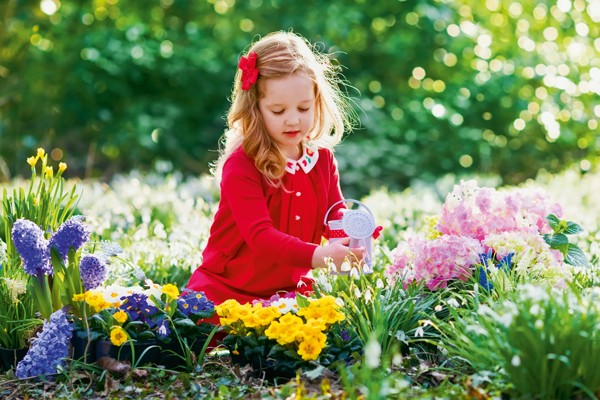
x=452 y=302
x=372 y=353
x=419 y=332
x=535 y=309
x=285 y=305
x=515 y=361
x=15 y=287
x=346 y=266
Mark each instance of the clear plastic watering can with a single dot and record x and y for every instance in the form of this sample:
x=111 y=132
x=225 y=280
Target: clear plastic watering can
x=359 y=225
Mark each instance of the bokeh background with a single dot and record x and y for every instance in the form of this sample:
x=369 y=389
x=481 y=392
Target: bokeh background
x=473 y=87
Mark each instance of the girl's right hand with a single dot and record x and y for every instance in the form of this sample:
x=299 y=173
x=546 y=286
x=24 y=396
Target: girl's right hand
x=338 y=252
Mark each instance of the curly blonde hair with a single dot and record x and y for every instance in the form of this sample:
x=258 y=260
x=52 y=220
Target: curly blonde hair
x=279 y=55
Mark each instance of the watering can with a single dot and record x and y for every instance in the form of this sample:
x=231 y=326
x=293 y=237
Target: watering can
x=357 y=224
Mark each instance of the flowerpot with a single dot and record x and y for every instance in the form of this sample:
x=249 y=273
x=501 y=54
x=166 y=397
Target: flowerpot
x=81 y=351
x=9 y=358
x=173 y=356
x=143 y=352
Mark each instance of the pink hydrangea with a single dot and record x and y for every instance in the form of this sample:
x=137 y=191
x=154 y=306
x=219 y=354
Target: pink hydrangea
x=509 y=220
x=437 y=261
x=477 y=212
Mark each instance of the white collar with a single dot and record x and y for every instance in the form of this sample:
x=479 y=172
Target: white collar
x=307 y=161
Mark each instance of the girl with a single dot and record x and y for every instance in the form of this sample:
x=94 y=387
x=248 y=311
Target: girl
x=278 y=176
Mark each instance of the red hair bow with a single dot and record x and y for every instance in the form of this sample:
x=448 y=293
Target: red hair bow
x=249 y=71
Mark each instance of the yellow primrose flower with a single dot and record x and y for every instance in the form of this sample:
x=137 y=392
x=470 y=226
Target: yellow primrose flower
x=118 y=336
x=62 y=166
x=265 y=316
x=309 y=349
x=49 y=172
x=32 y=161
x=171 y=291
x=40 y=152
x=120 y=316
x=224 y=309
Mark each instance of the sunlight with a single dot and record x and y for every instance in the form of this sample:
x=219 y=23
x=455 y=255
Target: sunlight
x=49 y=7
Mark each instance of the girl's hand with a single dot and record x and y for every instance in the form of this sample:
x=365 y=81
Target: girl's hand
x=338 y=252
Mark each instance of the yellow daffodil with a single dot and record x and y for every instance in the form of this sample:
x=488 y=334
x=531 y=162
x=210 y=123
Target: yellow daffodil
x=62 y=166
x=79 y=297
x=49 y=171
x=32 y=161
x=118 y=336
x=120 y=316
x=171 y=291
x=40 y=152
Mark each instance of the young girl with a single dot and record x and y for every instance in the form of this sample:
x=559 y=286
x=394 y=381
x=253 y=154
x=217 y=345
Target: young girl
x=277 y=174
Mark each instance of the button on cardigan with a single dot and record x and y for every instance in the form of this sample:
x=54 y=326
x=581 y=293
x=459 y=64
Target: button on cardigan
x=263 y=238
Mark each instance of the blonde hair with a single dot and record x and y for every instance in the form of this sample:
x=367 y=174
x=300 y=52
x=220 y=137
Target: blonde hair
x=281 y=54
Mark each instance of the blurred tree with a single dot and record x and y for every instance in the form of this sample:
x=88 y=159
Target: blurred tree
x=442 y=86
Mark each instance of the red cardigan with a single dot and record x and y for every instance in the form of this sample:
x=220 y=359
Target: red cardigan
x=262 y=238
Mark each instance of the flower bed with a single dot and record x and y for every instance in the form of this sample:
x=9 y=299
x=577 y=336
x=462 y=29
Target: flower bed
x=285 y=334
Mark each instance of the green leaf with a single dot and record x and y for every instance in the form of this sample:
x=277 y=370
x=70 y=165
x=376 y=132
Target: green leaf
x=554 y=222
x=184 y=322
x=315 y=373
x=572 y=228
x=302 y=300
x=558 y=241
x=576 y=257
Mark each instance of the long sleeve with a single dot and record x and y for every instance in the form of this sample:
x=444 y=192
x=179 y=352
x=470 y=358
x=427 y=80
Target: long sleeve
x=242 y=189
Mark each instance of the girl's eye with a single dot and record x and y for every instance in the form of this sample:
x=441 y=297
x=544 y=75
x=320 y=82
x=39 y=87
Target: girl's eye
x=277 y=112
x=303 y=109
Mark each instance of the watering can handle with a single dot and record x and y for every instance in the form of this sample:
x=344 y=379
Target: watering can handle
x=343 y=201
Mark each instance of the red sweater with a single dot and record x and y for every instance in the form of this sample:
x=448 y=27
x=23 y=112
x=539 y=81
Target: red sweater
x=262 y=238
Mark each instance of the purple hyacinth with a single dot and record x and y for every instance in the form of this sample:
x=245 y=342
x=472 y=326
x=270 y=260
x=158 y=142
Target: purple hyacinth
x=49 y=349
x=33 y=248
x=92 y=270
x=72 y=233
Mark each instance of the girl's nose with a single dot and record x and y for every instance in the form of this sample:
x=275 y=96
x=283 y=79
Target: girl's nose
x=292 y=120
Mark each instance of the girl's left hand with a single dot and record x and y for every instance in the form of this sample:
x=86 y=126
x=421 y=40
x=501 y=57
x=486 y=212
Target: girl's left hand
x=338 y=253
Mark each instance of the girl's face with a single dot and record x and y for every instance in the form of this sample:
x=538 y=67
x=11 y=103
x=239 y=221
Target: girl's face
x=287 y=106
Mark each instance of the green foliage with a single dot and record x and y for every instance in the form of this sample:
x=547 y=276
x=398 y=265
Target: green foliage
x=375 y=376
x=443 y=86
x=388 y=310
x=17 y=313
x=540 y=342
x=45 y=202
x=558 y=240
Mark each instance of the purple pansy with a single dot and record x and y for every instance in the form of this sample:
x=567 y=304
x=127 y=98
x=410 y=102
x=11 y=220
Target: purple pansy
x=49 y=349
x=138 y=309
x=195 y=303
x=32 y=246
x=92 y=270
